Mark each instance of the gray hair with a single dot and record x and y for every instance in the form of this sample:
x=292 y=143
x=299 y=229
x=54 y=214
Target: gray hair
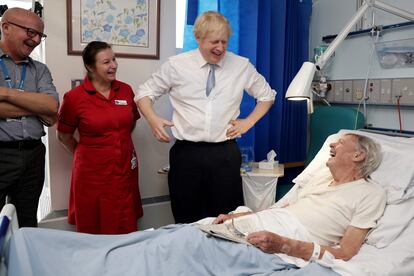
x=373 y=155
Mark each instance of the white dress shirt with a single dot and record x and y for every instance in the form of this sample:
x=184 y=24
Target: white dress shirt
x=197 y=117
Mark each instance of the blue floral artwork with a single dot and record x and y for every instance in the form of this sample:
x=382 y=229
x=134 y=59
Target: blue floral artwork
x=117 y=22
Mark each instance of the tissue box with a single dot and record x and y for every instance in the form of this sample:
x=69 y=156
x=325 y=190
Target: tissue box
x=265 y=165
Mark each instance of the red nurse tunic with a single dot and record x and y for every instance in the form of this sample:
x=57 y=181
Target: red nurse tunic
x=104 y=193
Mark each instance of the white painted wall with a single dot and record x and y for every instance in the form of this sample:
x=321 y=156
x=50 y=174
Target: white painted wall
x=328 y=17
x=352 y=56
x=152 y=155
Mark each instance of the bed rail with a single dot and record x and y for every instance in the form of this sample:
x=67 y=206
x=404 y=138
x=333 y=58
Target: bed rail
x=8 y=225
x=388 y=132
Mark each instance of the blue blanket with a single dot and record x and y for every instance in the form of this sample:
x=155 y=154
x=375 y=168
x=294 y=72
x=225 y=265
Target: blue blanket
x=171 y=250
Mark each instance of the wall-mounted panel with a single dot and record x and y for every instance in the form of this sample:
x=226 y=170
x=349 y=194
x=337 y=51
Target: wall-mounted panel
x=348 y=91
x=403 y=88
x=330 y=95
x=339 y=91
x=358 y=90
x=373 y=91
x=385 y=95
x=378 y=91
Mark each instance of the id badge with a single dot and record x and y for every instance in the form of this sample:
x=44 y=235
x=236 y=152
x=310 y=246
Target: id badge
x=134 y=162
x=121 y=102
x=13 y=119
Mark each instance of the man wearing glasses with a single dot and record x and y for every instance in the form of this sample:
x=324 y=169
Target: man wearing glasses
x=28 y=101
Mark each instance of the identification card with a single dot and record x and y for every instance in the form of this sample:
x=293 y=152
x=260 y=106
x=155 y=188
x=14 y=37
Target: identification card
x=121 y=102
x=134 y=162
x=13 y=119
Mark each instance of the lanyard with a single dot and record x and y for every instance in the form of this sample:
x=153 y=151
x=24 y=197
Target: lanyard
x=7 y=77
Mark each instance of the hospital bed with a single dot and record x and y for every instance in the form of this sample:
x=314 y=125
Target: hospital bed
x=388 y=250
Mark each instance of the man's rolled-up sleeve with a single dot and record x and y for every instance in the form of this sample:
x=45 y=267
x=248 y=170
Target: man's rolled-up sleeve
x=157 y=85
x=257 y=86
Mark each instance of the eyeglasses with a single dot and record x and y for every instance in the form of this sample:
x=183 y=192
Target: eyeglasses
x=30 y=32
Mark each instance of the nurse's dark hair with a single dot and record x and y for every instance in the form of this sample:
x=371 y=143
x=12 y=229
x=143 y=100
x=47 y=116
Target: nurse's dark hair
x=90 y=52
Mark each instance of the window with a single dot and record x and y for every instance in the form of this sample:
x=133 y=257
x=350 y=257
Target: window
x=181 y=7
x=25 y=4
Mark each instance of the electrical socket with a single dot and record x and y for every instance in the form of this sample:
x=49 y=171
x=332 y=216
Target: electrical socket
x=385 y=92
x=330 y=95
x=373 y=91
x=339 y=91
x=403 y=88
x=358 y=90
x=348 y=91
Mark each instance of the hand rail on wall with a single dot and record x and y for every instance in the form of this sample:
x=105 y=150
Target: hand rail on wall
x=329 y=38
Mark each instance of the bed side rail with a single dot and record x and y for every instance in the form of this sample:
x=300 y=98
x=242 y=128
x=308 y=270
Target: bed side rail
x=8 y=225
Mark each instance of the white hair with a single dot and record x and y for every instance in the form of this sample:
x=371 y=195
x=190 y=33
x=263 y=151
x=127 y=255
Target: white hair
x=373 y=155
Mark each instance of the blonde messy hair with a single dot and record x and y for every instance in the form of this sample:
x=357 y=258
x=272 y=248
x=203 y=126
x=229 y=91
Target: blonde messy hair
x=211 y=22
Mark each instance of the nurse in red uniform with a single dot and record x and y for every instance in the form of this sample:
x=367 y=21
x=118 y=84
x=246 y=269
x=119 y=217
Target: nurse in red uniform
x=104 y=193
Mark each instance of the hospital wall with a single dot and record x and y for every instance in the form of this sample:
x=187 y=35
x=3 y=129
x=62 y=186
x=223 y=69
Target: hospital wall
x=351 y=59
x=328 y=17
x=152 y=155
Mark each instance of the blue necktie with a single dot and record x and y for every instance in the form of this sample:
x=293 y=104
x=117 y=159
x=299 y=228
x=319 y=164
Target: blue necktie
x=211 y=80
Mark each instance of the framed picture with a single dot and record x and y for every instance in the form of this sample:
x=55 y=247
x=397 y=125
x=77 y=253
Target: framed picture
x=131 y=27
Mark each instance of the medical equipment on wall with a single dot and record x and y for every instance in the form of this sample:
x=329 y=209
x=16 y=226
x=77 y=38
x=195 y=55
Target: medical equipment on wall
x=322 y=87
x=318 y=51
x=300 y=87
x=398 y=53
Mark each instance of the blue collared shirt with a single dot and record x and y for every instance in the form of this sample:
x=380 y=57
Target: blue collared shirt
x=38 y=80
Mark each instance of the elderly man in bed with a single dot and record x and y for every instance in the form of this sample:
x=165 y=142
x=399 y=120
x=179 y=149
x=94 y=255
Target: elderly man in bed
x=330 y=215
x=334 y=212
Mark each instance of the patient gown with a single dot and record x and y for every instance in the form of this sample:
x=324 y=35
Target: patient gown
x=104 y=193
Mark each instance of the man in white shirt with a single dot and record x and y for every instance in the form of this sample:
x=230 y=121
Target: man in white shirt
x=205 y=87
x=334 y=212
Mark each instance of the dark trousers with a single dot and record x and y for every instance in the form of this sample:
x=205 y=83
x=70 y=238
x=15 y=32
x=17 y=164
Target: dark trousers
x=22 y=173
x=204 y=179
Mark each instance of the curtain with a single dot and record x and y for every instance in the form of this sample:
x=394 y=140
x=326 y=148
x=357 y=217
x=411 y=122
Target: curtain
x=274 y=35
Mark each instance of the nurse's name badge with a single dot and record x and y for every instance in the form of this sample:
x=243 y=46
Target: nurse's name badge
x=134 y=162
x=121 y=102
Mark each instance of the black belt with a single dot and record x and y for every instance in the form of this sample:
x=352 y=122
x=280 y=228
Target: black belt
x=23 y=144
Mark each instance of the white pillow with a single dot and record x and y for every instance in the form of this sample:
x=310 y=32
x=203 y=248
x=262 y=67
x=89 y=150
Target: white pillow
x=394 y=220
x=395 y=174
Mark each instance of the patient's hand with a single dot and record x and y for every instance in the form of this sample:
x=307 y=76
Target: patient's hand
x=267 y=241
x=223 y=217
